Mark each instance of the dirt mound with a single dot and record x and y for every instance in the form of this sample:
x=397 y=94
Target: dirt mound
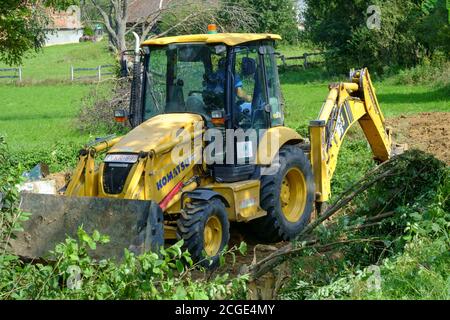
x=427 y=131
x=61 y=178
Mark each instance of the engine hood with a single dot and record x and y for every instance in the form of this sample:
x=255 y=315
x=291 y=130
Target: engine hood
x=154 y=132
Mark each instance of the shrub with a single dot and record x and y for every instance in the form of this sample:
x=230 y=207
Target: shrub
x=415 y=234
x=409 y=31
x=10 y=216
x=75 y=275
x=88 y=31
x=58 y=157
x=97 y=108
x=434 y=72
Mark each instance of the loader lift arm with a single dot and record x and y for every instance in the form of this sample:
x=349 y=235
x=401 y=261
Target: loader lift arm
x=346 y=104
x=84 y=173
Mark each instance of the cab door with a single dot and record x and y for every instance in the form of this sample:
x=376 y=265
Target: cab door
x=274 y=100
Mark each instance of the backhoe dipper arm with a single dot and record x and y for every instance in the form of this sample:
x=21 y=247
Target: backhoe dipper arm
x=346 y=104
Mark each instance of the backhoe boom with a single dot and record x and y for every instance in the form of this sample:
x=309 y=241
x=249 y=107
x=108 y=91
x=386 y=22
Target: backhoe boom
x=346 y=104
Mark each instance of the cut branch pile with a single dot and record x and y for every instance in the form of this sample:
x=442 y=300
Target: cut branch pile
x=401 y=176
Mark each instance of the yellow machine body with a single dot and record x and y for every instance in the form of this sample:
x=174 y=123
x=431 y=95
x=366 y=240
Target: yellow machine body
x=153 y=175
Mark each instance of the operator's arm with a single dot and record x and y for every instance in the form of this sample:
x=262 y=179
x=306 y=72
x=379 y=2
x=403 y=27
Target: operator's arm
x=243 y=95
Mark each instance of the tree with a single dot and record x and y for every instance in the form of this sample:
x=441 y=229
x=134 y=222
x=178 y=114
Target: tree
x=22 y=26
x=341 y=27
x=433 y=28
x=181 y=16
x=275 y=16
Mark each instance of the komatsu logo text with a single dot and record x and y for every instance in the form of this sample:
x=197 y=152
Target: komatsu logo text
x=173 y=173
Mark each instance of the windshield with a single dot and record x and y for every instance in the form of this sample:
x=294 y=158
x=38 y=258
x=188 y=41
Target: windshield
x=185 y=78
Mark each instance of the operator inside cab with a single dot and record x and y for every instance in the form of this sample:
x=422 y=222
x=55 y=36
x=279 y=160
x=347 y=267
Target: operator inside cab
x=215 y=82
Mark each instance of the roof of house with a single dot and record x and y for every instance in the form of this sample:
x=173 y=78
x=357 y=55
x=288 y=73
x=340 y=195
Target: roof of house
x=68 y=19
x=231 y=39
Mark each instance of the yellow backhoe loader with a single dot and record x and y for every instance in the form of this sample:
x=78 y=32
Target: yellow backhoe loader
x=208 y=146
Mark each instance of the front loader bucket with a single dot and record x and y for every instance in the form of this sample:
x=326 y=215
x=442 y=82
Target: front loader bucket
x=132 y=224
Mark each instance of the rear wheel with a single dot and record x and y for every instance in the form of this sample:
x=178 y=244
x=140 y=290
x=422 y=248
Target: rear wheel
x=287 y=196
x=204 y=227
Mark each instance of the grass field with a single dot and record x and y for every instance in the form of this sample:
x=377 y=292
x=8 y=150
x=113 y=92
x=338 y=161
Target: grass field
x=303 y=101
x=36 y=117
x=54 y=62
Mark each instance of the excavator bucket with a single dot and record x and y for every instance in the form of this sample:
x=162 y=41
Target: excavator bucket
x=130 y=224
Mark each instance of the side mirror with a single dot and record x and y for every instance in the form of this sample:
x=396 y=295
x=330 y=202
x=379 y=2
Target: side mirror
x=120 y=115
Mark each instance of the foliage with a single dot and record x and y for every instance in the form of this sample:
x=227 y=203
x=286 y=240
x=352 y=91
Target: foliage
x=10 y=217
x=75 y=275
x=96 y=113
x=433 y=27
x=412 y=242
x=58 y=157
x=22 y=26
x=418 y=273
x=275 y=16
x=88 y=31
x=433 y=72
x=404 y=38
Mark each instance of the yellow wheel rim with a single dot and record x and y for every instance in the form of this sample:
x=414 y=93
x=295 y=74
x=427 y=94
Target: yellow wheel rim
x=293 y=194
x=212 y=236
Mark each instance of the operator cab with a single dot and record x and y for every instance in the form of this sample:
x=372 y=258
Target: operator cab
x=231 y=80
x=239 y=83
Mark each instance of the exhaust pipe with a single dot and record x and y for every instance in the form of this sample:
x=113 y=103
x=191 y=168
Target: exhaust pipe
x=135 y=105
x=136 y=45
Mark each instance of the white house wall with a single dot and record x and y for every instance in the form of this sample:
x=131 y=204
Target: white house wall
x=63 y=36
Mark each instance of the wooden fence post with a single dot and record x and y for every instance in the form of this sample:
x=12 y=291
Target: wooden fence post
x=99 y=72
x=20 y=74
x=305 y=62
x=71 y=73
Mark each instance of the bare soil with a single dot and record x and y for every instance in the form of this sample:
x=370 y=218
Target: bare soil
x=427 y=131
x=61 y=178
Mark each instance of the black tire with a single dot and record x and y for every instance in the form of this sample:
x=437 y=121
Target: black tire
x=191 y=228
x=274 y=226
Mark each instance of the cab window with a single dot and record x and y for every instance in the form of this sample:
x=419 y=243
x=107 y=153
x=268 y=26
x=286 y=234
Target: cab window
x=273 y=88
x=248 y=92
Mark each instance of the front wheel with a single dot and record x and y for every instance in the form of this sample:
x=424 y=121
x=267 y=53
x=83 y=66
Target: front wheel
x=205 y=229
x=287 y=196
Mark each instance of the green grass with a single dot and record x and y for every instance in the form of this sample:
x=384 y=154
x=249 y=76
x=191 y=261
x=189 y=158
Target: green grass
x=420 y=273
x=54 y=62
x=296 y=51
x=34 y=117
x=37 y=117
x=304 y=92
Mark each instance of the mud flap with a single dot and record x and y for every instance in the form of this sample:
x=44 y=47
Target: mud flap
x=130 y=224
